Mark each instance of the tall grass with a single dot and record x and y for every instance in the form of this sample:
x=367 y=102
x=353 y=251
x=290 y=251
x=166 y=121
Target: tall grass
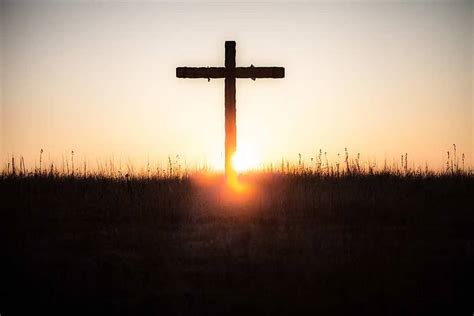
x=352 y=165
x=311 y=237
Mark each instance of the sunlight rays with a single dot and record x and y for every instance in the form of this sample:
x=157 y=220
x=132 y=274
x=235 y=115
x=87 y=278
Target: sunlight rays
x=246 y=158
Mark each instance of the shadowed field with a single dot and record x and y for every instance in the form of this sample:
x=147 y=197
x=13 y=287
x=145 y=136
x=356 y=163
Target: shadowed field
x=376 y=244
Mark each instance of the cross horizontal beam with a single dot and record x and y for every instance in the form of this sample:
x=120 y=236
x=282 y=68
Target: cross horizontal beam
x=238 y=72
x=230 y=72
x=259 y=72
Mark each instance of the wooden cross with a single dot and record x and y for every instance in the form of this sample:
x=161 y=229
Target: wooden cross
x=230 y=72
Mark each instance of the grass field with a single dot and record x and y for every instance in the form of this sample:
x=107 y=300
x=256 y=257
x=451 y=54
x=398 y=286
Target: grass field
x=386 y=243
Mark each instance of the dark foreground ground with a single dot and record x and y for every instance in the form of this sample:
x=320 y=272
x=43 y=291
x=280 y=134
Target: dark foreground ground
x=292 y=244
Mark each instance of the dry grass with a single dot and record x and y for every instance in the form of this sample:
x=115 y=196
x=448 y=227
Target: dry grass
x=316 y=166
x=333 y=240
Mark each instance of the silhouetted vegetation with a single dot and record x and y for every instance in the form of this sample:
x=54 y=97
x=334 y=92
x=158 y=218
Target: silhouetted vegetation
x=336 y=242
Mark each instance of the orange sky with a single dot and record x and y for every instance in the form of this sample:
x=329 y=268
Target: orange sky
x=99 y=78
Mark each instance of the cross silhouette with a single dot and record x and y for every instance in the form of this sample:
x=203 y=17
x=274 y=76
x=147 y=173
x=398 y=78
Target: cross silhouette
x=230 y=72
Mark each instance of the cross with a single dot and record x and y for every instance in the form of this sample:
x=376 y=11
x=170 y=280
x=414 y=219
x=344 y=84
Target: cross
x=230 y=72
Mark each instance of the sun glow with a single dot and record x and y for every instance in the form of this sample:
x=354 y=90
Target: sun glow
x=246 y=158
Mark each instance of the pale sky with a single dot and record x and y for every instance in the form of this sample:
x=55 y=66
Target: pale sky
x=380 y=78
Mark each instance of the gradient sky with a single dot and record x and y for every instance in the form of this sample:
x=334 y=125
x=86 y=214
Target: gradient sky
x=99 y=78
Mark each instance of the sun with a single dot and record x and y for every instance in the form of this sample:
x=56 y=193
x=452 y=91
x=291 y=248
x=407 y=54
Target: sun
x=246 y=158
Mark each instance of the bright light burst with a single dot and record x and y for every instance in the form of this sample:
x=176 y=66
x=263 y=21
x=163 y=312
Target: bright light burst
x=246 y=158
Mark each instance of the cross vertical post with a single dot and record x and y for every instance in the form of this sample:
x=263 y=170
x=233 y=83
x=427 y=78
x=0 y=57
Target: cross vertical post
x=230 y=72
x=230 y=110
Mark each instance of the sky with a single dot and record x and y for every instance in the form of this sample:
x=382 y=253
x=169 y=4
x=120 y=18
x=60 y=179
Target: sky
x=98 y=77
